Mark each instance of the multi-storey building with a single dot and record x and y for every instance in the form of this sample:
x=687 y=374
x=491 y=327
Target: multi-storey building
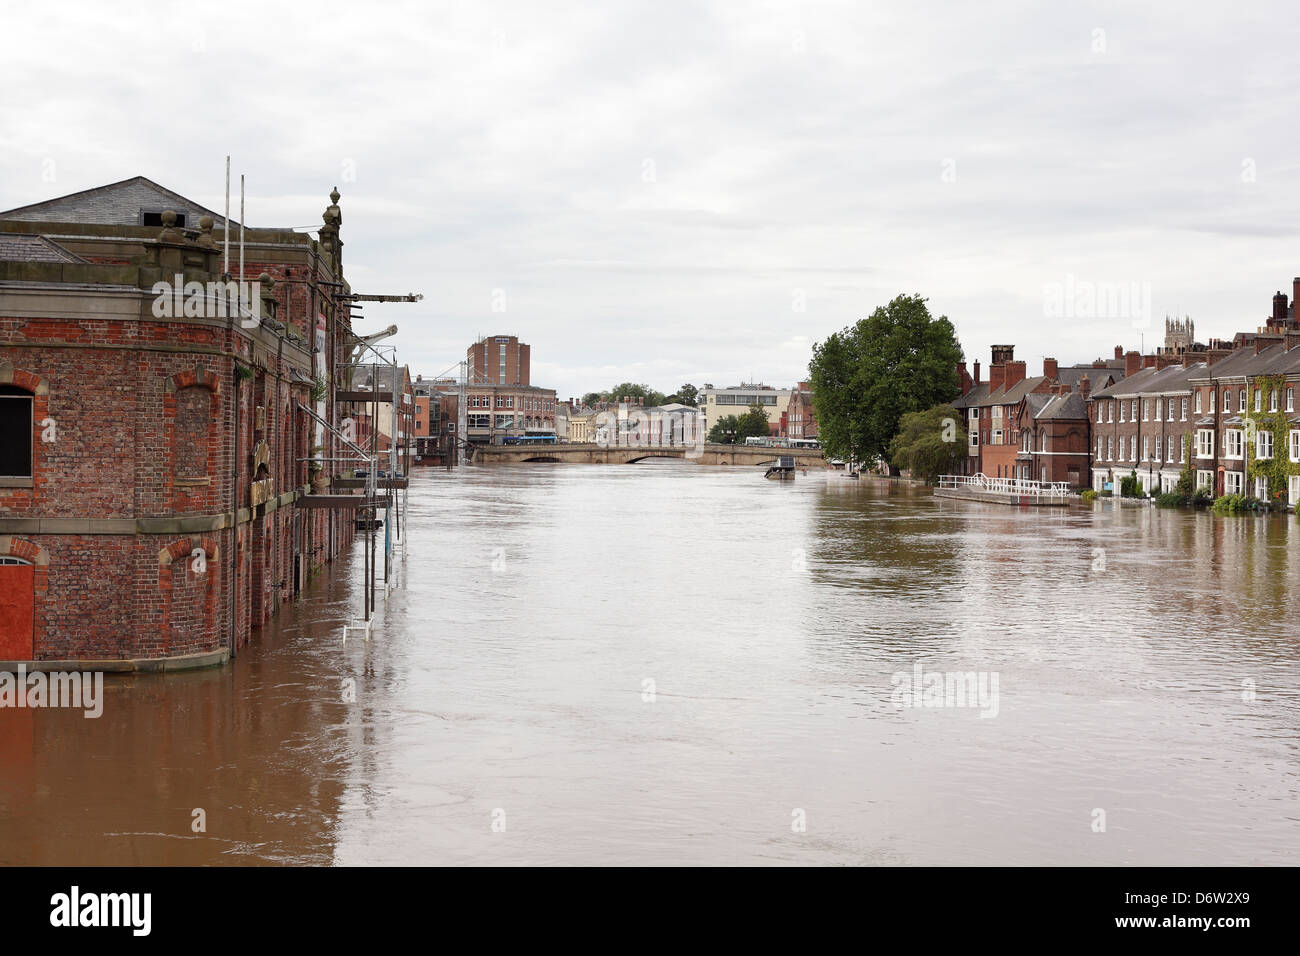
x=716 y=403
x=155 y=442
x=800 y=418
x=499 y=360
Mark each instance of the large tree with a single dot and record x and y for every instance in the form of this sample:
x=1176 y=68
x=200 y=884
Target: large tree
x=899 y=359
x=723 y=431
x=929 y=443
x=752 y=424
x=649 y=397
x=688 y=394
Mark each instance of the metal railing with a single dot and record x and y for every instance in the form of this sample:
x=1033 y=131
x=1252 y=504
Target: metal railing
x=1007 y=486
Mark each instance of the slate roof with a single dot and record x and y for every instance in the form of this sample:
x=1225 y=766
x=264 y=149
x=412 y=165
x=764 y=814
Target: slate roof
x=971 y=398
x=115 y=204
x=1071 y=406
x=16 y=247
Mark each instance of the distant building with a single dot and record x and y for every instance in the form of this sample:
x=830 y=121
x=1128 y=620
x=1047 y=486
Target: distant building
x=800 y=420
x=716 y=403
x=499 y=360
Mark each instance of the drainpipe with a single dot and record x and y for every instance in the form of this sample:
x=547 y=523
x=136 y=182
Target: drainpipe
x=234 y=507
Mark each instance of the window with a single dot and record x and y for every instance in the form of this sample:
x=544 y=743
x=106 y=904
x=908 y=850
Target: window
x=1044 y=442
x=1263 y=444
x=1146 y=447
x=478 y=421
x=1204 y=443
x=1159 y=407
x=1293 y=489
x=1258 y=399
x=15 y=432
x=1101 y=445
x=1169 y=450
x=1182 y=453
x=1198 y=403
x=1233 y=482
x=1227 y=400
x=1295 y=445
x=1133 y=448
x=1184 y=416
x=1241 y=402
x=1272 y=400
x=155 y=219
x=1110 y=411
x=1110 y=448
x=1134 y=407
x=1204 y=479
x=451 y=426
x=1290 y=400
x=1121 y=411
x=1099 y=409
x=1170 y=406
x=1146 y=409
x=1157 y=455
x=1232 y=443
x=1261 y=488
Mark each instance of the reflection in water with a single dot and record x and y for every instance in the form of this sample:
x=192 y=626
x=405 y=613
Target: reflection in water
x=666 y=663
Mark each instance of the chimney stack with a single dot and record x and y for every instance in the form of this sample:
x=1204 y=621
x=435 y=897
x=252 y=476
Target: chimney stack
x=1279 y=307
x=977 y=371
x=1215 y=354
x=1014 y=374
x=1132 y=363
x=1148 y=361
x=1119 y=352
x=1049 y=367
x=1290 y=340
x=1295 y=291
x=1085 y=386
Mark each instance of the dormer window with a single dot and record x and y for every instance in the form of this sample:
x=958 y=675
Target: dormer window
x=154 y=218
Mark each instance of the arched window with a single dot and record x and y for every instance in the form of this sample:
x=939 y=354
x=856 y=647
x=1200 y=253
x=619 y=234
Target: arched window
x=15 y=432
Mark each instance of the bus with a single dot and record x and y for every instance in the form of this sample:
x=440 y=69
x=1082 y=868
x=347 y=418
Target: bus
x=528 y=440
x=805 y=443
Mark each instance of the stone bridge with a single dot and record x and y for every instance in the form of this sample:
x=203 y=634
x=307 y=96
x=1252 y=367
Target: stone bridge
x=592 y=454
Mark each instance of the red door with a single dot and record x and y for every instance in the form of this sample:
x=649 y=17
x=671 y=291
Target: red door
x=16 y=611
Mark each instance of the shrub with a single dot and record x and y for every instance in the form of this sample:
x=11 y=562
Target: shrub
x=1088 y=496
x=1130 y=486
x=1171 y=499
x=1231 y=505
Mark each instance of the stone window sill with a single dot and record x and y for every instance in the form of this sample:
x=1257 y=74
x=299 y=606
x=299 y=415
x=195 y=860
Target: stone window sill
x=16 y=483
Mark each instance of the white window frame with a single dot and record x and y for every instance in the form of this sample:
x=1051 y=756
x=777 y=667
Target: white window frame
x=1205 y=443
x=1264 y=444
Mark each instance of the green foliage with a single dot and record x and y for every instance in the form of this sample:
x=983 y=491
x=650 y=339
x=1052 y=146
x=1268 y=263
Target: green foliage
x=319 y=389
x=242 y=372
x=688 y=394
x=1171 y=499
x=1130 y=486
x=929 y=443
x=1088 y=496
x=1187 y=476
x=649 y=397
x=865 y=378
x=1201 y=498
x=723 y=431
x=752 y=424
x=1231 y=505
x=1279 y=468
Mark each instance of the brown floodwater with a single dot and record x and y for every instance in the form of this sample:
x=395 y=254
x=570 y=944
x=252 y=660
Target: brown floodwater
x=666 y=663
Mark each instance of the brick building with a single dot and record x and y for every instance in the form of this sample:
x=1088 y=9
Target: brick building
x=499 y=360
x=154 y=461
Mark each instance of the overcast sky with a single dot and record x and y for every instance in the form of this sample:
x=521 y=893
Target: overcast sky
x=671 y=192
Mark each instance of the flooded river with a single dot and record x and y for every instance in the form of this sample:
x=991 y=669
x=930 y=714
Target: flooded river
x=665 y=663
